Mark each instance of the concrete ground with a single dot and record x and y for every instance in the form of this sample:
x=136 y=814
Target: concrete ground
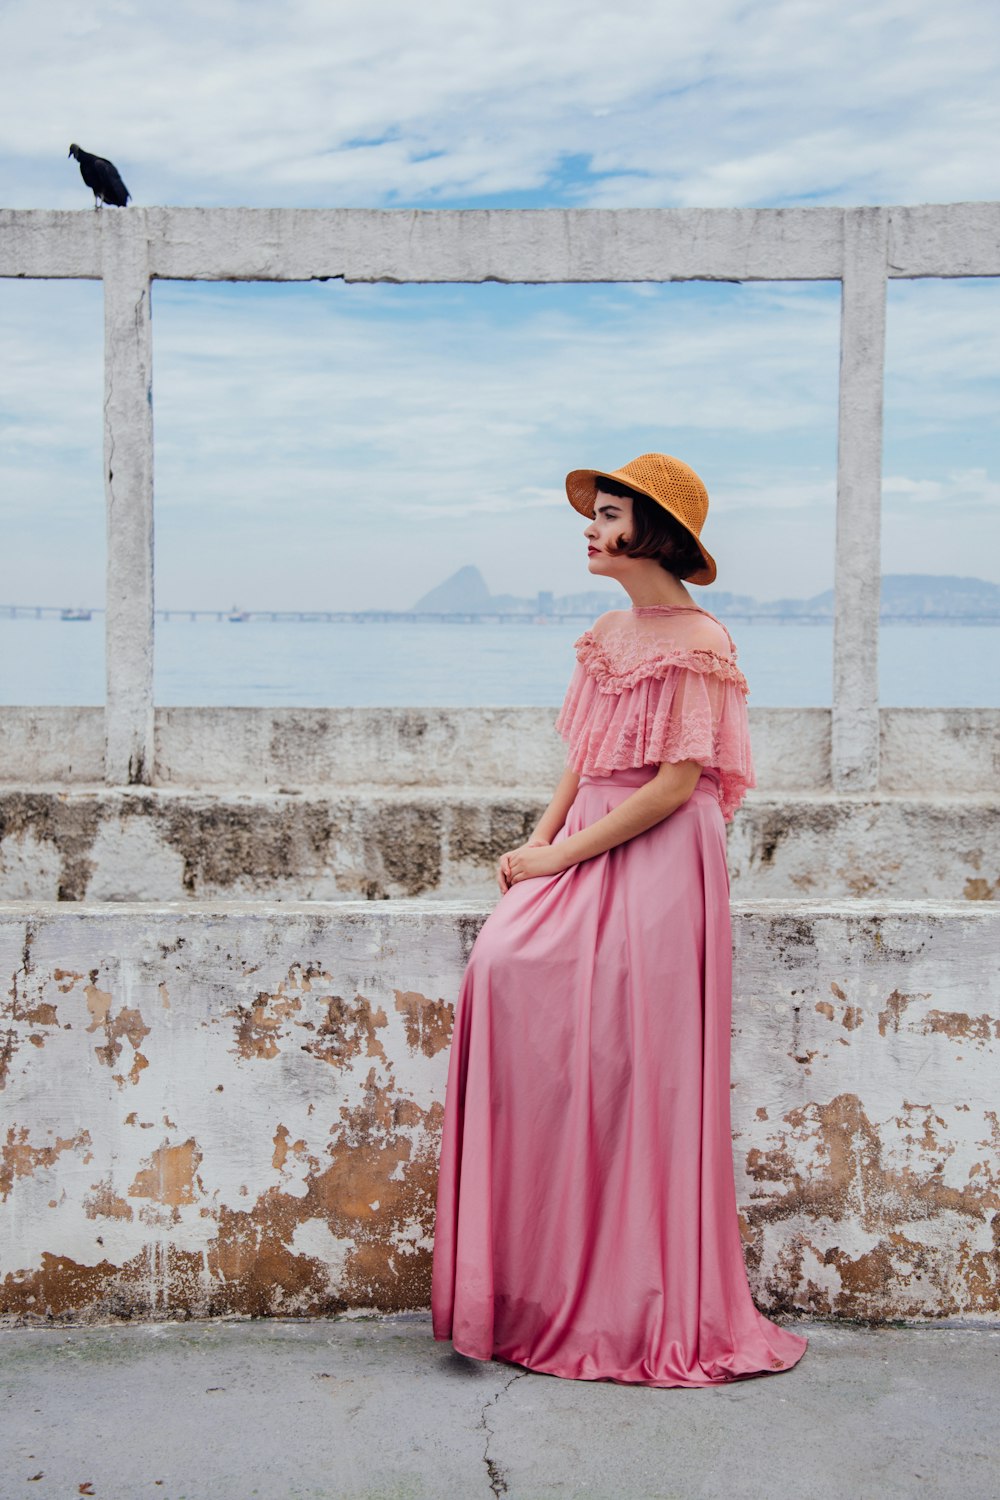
x=374 y=1409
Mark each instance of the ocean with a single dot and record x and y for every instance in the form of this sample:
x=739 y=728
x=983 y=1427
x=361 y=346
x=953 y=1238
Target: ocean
x=314 y=664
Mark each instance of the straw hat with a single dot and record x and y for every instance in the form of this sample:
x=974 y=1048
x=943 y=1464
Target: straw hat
x=670 y=482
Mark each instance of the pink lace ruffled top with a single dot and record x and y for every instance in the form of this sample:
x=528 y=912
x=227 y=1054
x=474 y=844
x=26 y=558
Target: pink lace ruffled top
x=659 y=682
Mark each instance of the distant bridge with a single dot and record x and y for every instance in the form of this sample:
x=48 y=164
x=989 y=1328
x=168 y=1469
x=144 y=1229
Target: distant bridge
x=464 y=617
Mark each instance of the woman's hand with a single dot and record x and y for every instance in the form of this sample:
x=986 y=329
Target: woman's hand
x=537 y=857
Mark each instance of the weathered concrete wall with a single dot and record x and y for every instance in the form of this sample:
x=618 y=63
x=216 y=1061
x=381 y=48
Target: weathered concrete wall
x=926 y=751
x=237 y=1109
x=39 y=745
x=172 y=845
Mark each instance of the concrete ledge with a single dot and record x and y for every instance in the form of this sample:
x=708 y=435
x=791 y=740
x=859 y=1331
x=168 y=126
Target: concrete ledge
x=922 y=750
x=235 y=1108
x=100 y=844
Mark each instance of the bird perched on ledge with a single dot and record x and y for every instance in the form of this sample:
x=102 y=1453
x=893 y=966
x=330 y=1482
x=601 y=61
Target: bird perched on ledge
x=101 y=177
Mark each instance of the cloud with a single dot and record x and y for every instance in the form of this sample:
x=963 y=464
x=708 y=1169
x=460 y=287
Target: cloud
x=360 y=102
x=364 y=436
x=967 y=492
x=319 y=437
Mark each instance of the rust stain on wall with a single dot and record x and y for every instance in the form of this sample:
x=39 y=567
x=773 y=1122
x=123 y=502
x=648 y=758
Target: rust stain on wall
x=282 y=1148
x=961 y=1027
x=104 y=1203
x=895 y=1008
x=18 y=1158
x=374 y=1188
x=42 y=1014
x=373 y=1185
x=258 y=1025
x=170 y=1176
x=127 y=1024
x=348 y=1029
x=99 y=1003
x=339 y=1029
x=60 y=1287
x=848 y=1181
x=851 y=1016
x=977 y=889
x=428 y=1022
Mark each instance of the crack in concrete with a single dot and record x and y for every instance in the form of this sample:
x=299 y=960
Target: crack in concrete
x=496 y=1474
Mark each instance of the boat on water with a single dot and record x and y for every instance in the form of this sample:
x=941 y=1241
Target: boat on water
x=237 y=616
x=79 y=613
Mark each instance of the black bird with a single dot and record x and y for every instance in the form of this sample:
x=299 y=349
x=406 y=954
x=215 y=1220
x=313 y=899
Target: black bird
x=101 y=177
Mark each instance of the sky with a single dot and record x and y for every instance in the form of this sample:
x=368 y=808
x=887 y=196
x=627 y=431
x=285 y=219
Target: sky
x=330 y=446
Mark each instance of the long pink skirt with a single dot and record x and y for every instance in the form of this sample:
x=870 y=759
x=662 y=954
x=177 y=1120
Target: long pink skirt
x=586 y=1210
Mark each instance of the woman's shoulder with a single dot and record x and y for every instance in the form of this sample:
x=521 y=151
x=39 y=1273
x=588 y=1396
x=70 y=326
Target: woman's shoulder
x=694 y=630
x=709 y=634
x=607 y=621
x=622 y=648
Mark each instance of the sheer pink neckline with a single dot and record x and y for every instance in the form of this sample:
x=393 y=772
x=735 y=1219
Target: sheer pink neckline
x=645 y=609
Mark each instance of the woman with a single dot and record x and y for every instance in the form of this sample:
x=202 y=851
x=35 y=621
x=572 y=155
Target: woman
x=587 y=1221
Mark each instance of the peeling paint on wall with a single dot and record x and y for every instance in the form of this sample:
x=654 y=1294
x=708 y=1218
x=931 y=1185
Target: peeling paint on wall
x=277 y=1154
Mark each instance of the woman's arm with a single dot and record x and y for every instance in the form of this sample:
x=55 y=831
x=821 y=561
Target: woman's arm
x=649 y=804
x=547 y=825
x=554 y=816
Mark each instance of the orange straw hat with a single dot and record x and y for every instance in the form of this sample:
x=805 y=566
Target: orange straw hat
x=671 y=483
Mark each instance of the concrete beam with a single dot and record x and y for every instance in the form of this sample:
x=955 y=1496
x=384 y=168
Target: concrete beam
x=509 y=245
x=954 y=239
x=128 y=487
x=51 y=244
x=403 y=245
x=857 y=570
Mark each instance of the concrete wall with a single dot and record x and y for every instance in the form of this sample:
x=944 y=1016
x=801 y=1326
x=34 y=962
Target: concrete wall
x=394 y=803
x=225 y=1107
x=235 y=1109
x=924 y=751
x=140 y=844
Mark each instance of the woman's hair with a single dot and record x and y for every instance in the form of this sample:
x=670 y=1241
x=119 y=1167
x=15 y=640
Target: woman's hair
x=655 y=533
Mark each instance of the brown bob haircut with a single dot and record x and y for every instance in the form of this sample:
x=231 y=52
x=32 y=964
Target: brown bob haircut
x=655 y=533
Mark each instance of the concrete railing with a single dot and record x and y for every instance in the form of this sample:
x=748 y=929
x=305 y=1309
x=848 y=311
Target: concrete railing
x=860 y=247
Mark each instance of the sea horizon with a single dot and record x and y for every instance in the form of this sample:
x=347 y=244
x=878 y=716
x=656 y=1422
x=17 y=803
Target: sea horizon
x=518 y=662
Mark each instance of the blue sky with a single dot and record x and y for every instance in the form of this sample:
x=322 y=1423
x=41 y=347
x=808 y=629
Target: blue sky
x=351 y=446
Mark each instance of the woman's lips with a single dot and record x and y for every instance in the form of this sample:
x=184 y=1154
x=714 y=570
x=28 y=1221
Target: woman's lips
x=591 y=551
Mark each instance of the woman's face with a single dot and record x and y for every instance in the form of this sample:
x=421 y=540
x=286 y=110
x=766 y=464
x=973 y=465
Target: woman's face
x=612 y=519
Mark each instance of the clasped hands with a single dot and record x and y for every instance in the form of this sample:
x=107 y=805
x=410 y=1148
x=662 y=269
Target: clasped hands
x=537 y=857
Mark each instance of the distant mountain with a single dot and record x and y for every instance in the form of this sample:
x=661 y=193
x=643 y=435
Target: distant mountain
x=904 y=595
x=911 y=595
x=465 y=592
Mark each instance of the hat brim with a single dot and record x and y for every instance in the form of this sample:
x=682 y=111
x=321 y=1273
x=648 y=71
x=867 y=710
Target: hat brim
x=581 y=492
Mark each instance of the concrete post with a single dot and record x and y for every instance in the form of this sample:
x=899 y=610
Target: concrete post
x=857 y=567
x=128 y=482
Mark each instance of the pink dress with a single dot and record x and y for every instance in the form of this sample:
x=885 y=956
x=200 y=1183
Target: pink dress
x=586 y=1211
